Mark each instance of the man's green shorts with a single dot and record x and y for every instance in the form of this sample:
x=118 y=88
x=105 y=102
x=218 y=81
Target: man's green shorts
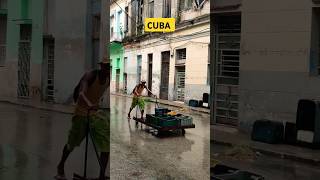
x=99 y=128
x=138 y=101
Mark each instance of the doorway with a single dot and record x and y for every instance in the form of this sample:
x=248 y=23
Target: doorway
x=117 y=80
x=164 y=84
x=180 y=83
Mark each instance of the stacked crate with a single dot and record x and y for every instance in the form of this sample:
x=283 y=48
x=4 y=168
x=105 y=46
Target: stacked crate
x=185 y=120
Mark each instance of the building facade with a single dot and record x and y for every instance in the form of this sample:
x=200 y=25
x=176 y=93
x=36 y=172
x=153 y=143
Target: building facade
x=175 y=65
x=21 y=33
x=117 y=31
x=271 y=60
x=49 y=46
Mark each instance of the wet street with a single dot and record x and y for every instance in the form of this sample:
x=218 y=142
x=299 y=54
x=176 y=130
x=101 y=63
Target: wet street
x=31 y=144
x=136 y=154
x=269 y=167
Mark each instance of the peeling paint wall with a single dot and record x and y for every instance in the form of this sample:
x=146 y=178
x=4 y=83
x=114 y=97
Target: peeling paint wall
x=274 y=62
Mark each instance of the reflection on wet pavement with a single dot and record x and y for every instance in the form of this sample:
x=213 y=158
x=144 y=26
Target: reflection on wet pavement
x=136 y=154
x=31 y=143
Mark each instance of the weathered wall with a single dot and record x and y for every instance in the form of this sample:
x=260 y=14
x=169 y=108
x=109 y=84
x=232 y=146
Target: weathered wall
x=17 y=14
x=67 y=24
x=274 y=62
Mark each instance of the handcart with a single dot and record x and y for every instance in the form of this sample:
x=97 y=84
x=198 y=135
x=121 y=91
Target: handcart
x=159 y=129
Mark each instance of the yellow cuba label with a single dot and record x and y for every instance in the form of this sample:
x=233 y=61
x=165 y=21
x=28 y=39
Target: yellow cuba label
x=159 y=24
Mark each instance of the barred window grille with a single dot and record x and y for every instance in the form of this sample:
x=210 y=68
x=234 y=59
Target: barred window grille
x=181 y=54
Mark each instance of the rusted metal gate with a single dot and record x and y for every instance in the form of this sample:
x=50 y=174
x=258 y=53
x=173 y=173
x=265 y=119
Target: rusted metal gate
x=227 y=56
x=24 y=61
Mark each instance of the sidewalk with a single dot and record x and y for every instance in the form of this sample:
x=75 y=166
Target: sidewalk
x=171 y=103
x=232 y=137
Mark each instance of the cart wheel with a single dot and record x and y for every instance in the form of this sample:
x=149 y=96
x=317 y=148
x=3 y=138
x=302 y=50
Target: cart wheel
x=183 y=132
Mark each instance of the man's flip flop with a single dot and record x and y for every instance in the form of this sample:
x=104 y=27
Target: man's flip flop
x=60 y=177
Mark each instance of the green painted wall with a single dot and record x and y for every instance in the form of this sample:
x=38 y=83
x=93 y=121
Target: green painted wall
x=116 y=52
x=25 y=12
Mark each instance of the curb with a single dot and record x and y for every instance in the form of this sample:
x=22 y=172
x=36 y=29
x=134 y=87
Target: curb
x=206 y=111
x=314 y=162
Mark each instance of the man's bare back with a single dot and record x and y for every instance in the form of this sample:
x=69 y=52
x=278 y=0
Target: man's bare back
x=139 y=89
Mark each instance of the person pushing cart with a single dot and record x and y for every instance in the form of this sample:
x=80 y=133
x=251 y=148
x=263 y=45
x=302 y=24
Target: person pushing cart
x=137 y=97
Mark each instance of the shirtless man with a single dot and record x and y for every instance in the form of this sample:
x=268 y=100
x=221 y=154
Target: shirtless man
x=137 y=99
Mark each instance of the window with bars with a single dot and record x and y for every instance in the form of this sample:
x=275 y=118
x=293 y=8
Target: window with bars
x=181 y=54
x=166 y=10
x=151 y=8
